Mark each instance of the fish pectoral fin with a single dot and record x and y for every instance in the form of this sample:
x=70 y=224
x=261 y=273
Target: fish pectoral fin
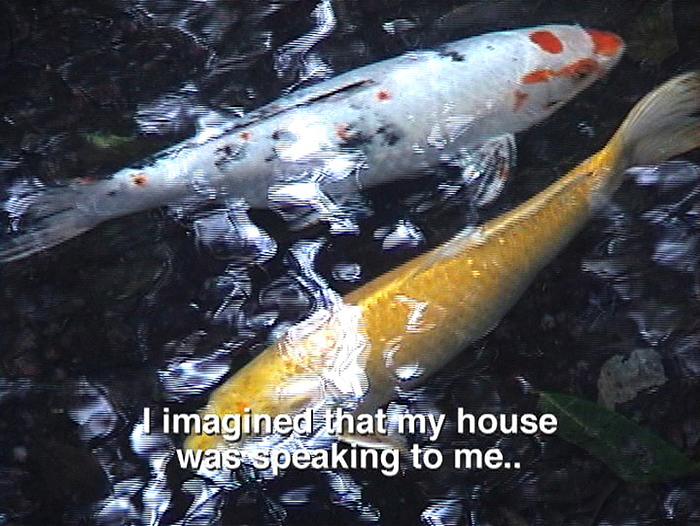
x=486 y=169
x=305 y=204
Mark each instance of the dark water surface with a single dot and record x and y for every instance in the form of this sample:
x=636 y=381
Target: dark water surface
x=152 y=310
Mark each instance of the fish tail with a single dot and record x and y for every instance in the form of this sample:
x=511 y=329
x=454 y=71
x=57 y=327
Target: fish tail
x=664 y=124
x=41 y=217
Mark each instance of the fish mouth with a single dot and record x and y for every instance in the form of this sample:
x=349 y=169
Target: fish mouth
x=607 y=47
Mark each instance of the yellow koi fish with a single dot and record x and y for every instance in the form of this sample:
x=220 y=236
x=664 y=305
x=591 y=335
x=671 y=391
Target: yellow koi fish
x=395 y=331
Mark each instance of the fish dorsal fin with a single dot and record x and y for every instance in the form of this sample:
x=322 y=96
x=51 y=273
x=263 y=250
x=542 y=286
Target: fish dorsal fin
x=344 y=87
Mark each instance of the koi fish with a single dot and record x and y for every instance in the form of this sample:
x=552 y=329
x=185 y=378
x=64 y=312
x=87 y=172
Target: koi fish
x=458 y=104
x=395 y=331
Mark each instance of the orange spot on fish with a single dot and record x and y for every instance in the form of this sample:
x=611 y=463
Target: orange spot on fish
x=245 y=135
x=86 y=180
x=575 y=70
x=539 y=75
x=604 y=43
x=579 y=68
x=520 y=98
x=241 y=407
x=547 y=41
x=383 y=95
x=139 y=179
x=341 y=131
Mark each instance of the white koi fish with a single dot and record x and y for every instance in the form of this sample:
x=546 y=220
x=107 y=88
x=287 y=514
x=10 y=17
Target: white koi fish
x=395 y=331
x=458 y=104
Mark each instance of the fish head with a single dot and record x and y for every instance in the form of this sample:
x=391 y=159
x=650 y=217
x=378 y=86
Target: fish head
x=318 y=364
x=561 y=61
x=245 y=408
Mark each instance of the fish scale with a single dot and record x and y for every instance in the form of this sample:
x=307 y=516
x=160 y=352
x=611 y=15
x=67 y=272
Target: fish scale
x=470 y=282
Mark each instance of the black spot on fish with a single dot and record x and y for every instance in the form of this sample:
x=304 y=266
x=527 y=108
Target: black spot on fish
x=228 y=153
x=112 y=193
x=389 y=134
x=450 y=53
x=283 y=135
x=272 y=156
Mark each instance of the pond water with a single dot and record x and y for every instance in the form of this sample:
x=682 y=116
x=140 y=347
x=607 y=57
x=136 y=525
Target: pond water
x=155 y=309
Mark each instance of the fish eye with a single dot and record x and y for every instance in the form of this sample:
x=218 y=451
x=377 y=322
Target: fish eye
x=579 y=76
x=581 y=69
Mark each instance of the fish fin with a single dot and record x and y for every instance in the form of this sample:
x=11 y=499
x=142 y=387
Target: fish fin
x=486 y=169
x=41 y=217
x=302 y=204
x=305 y=204
x=338 y=88
x=664 y=124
